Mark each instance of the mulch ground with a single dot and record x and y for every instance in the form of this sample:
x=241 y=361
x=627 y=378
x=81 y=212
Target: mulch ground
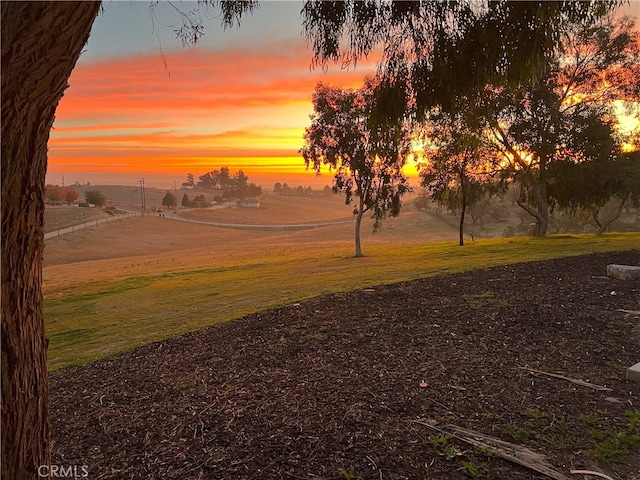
x=344 y=385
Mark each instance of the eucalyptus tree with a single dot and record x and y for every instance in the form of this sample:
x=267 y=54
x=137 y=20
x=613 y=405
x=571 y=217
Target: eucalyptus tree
x=366 y=156
x=424 y=43
x=435 y=52
x=39 y=50
x=612 y=181
x=456 y=169
x=41 y=42
x=560 y=117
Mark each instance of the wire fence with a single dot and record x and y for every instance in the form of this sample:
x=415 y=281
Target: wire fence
x=248 y=226
x=240 y=226
x=93 y=223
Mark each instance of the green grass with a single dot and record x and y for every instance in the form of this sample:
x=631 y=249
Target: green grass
x=470 y=463
x=616 y=445
x=540 y=429
x=475 y=468
x=484 y=300
x=92 y=320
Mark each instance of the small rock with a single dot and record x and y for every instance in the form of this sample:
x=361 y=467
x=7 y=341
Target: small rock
x=623 y=272
x=633 y=373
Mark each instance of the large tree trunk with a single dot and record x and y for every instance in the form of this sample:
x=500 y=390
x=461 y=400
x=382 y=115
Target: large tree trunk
x=461 y=226
x=41 y=42
x=605 y=225
x=463 y=208
x=358 y=224
x=541 y=210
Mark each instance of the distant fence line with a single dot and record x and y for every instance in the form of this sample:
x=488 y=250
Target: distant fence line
x=247 y=226
x=239 y=226
x=92 y=223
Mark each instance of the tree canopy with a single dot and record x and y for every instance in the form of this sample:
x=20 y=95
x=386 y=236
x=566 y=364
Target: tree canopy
x=436 y=52
x=169 y=200
x=568 y=115
x=366 y=157
x=234 y=185
x=56 y=193
x=456 y=168
x=589 y=186
x=190 y=182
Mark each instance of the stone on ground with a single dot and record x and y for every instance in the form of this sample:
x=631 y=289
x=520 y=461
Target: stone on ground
x=633 y=373
x=623 y=272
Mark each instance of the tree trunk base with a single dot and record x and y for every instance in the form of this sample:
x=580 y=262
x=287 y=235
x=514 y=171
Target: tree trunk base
x=41 y=42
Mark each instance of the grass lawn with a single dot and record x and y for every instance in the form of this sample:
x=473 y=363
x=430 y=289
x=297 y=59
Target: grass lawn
x=92 y=319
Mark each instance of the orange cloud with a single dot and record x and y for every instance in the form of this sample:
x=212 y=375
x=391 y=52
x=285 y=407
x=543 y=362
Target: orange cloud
x=195 y=81
x=286 y=139
x=206 y=108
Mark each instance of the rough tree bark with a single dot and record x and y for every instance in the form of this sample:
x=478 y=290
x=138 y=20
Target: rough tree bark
x=604 y=226
x=463 y=208
x=536 y=182
x=358 y=224
x=41 y=42
x=541 y=210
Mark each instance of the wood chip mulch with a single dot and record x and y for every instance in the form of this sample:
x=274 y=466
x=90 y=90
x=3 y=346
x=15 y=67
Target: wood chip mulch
x=341 y=386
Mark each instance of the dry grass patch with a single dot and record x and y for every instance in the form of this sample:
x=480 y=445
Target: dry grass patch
x=116 y=304
x=277 y=209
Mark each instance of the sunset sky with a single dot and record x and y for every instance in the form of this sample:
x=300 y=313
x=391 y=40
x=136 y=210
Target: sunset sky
x=140 y=105
x=241 y=98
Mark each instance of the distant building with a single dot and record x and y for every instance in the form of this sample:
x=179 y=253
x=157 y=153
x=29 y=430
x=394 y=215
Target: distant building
x=251 y=202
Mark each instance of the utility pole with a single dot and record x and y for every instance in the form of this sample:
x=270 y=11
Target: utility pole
x=142 y=199
x=175 y=193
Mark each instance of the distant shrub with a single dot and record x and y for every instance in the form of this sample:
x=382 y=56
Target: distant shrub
x=200 y=202
x=95 y=197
